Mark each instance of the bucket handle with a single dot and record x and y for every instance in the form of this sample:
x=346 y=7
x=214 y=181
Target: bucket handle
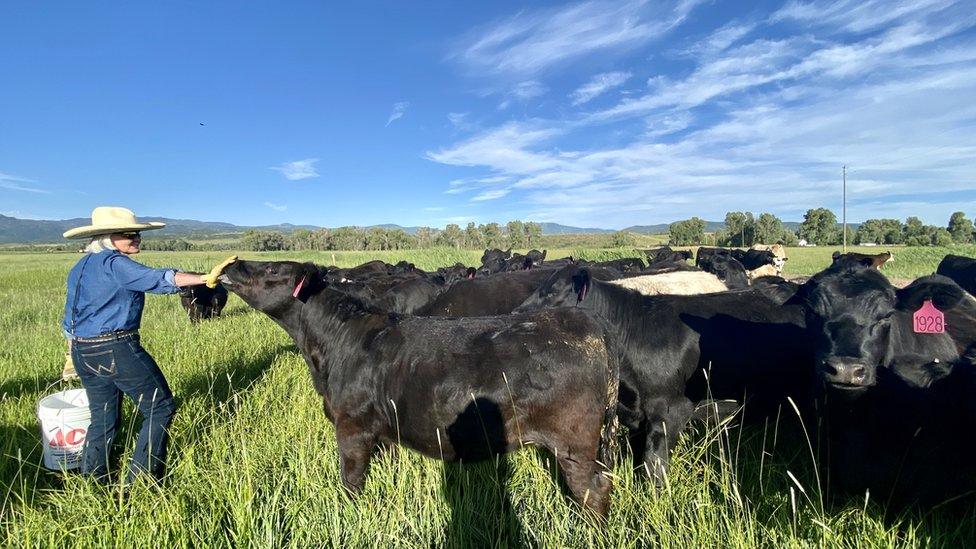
x=53 y=384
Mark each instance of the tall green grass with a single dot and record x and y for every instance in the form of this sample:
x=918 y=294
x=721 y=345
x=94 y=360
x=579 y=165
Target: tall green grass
x=253 y=460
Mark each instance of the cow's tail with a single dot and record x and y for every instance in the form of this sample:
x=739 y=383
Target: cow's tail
x=608 y=436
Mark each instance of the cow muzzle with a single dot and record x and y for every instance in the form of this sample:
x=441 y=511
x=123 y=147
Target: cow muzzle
x=847 y=373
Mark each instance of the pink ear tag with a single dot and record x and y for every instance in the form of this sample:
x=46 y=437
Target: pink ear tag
x=928 y=320
x=298 y=288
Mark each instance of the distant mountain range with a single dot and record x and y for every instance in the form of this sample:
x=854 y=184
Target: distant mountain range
x=14 y=230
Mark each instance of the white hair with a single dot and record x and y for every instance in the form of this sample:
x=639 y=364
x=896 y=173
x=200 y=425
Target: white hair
x=99 y=243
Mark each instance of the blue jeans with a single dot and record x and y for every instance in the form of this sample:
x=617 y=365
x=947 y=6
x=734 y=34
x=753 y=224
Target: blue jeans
x=108 y=369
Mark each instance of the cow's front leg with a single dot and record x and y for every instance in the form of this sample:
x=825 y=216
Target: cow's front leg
x=356 y=446
x=666 y=420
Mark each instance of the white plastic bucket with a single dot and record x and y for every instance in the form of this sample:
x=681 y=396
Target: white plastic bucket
x=64 y=419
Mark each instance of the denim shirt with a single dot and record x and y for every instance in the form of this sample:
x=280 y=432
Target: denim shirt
x=106 y=292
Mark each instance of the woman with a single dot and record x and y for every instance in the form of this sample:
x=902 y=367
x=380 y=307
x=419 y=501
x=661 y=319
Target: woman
x=102 y=313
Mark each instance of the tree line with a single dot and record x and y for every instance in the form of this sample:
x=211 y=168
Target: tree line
x=515 y=234
x=820 y=227
x=742 y=229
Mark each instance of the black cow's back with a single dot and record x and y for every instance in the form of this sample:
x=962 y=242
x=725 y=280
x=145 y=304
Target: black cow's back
x=960 y=269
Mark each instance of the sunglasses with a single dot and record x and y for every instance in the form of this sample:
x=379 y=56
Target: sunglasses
x=131 y=235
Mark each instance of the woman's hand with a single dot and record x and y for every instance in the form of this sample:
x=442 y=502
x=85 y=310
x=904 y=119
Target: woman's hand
x=210 y=279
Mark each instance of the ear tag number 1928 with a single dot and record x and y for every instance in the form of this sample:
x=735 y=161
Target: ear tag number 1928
x=928 y=319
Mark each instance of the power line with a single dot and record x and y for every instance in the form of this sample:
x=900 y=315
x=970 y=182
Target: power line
x=845 y=209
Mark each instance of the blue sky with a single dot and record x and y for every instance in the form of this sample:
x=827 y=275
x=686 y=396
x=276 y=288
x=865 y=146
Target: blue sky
x=596 y=113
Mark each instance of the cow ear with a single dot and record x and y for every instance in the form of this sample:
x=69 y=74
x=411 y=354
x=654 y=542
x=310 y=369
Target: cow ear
x=544 y=252
x=309 y=281
x=942 y=291
x=581 y=284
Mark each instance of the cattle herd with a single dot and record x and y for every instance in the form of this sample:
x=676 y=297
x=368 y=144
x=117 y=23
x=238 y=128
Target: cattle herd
x=464 y=363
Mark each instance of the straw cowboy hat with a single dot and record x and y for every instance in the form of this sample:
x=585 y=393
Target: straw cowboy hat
x=110 y=219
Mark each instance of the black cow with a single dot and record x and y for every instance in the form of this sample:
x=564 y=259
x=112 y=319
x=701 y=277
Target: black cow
x=452 y=274
x=960 y=269
x=862 y=323
x=456 y=389
x=519 y=262
x=494 y=260
x=201 y=302
x=491 y=295
x=395 y=294
x=666 y=257
x=534 y=258
x=775 y=288
x=720 y=263
x=753 y=259
x=370 y=268
x=750 y=259
x=898 y=403
x=624 y=265
x=869 y=260
x=749 y=346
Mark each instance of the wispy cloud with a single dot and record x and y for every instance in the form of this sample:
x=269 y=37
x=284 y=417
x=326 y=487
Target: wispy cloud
x=762 y=121
x=534 y=40
x=297 y=170
x=490 y=195
x=14 y=183
x=598 y=85
x=523 y=91
x=399 y=109
x=276 y=207
x=857 y=15
x=459 y=120
x=719 y=40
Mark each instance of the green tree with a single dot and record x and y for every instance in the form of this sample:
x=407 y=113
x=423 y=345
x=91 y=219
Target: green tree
x=769 y=229
x=914 y=233
x=940 y=236
x=621 y=239
x=893 y=231
x=819 y=227
x=687 y=233
x=170 y=245
x=741 y=228
x=961 y=229
x=533 y=233
x=515 y=234
x=263 y=241
x=349 y=238
x=321 y=239
x=472 y=236
x=491 y=235
x=452 y=236
x=425 y=237
x=871 y=231
x=301 y=239
x=788 y=238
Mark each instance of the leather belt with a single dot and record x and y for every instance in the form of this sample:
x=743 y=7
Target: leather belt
x=110 y=336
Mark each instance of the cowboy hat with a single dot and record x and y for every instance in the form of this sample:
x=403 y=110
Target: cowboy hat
x=110 y=219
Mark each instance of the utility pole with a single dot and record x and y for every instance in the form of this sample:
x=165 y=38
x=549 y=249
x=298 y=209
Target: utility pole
x=845 y=209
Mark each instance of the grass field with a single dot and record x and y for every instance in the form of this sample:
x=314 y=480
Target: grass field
x=253 y=459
